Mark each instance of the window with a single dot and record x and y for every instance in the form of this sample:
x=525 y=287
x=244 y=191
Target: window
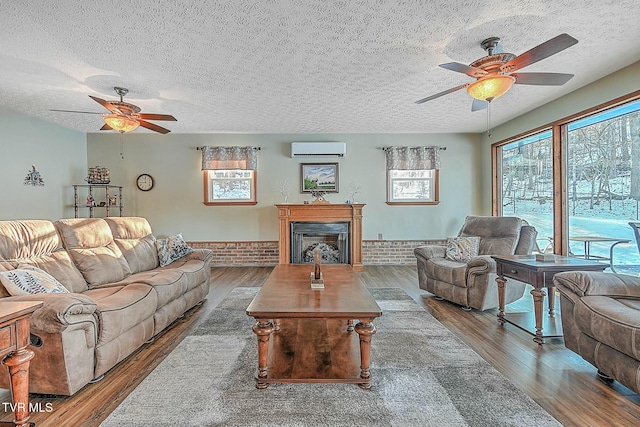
x=411 y=185
x=577 y=181
x=412 y=175
x=526 y=187
x=230 y=186
x=229 y=175
x=603 y=181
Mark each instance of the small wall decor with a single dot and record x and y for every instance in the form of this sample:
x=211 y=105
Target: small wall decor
x=319 y=177
x=33 y=177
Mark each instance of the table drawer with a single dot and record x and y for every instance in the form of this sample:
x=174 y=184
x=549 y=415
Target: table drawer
x=517 y=273
x=7 y=339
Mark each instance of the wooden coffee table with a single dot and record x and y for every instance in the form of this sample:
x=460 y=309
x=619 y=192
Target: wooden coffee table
x=538 y=274
x=306 y=335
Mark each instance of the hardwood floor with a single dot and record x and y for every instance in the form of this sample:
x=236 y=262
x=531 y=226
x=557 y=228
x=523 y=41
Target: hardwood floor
x=558 y=379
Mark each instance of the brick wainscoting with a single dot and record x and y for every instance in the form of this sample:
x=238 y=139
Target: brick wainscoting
x=374 y=252
x=231 y=254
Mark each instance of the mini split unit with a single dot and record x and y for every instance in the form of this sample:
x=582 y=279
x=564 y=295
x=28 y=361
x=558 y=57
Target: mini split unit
x=308 y=149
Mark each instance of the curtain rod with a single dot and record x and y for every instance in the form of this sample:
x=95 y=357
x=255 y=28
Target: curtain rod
x=200 y=148
x=439 y=148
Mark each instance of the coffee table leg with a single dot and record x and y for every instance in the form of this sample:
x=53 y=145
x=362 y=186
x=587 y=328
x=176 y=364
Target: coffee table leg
x=551 y=293
x=501 y=281
x=365 y=330
x=538 y=296
x=262 y=329
x=17 y=363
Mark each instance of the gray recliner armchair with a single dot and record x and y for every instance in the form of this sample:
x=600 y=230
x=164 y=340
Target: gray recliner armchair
x=601 y=322
x=471 y=283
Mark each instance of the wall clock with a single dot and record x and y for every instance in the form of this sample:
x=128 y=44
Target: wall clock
x=145 y=182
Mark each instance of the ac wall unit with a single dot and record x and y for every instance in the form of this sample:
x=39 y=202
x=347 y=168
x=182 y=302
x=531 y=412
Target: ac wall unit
x=300 y=149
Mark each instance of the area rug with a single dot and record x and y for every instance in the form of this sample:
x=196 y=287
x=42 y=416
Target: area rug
x=423 y=375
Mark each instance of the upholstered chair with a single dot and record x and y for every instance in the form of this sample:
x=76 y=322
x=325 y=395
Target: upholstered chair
x=601 y=322
x=468 y=279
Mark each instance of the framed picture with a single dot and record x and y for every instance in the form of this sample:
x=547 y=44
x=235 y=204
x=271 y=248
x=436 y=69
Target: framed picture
x=319 y=177
x=229 y=187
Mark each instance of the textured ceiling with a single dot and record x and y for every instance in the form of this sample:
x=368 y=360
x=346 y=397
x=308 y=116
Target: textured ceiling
x=295 y=66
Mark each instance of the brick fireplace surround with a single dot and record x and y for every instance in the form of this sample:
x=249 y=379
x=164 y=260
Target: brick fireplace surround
x=268 y=253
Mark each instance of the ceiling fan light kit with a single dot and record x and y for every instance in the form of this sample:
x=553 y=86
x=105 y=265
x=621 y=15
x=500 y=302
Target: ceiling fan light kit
x=125 y=117
x=495 y=75
x=121 y=123
x=490 y=88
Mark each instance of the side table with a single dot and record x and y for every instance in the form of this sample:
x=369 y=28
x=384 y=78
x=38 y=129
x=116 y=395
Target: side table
x=538 y=274
x=14 y=339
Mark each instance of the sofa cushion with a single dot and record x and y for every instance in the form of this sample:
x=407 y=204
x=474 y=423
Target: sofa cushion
x=135 y=239
x=26 y=280
x=462 y=248
x=171 y=249
x=36 y=243
x=120 y=308
x=90 y=243
x=612 y=321
x=445 y=270
x=195 y=271
x=169 y=283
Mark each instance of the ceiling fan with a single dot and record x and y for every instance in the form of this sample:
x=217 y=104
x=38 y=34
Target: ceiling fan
x=495 y=74
x=125 y=117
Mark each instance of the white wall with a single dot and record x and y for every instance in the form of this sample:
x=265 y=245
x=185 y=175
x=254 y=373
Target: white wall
x=59 y=154
x=175 y=204
x=606 y=89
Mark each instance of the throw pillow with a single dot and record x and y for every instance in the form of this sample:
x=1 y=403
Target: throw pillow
x=462 y=248
x=27 y=280
x=172 y=248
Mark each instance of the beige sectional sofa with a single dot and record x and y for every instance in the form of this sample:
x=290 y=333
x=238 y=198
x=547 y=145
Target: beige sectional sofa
x=119 y=296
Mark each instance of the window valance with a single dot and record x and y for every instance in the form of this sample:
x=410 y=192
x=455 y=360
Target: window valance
x=229 y=158
x=414 y=158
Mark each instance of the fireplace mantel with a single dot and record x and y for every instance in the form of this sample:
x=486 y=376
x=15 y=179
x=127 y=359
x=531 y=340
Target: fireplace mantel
x=320 y=212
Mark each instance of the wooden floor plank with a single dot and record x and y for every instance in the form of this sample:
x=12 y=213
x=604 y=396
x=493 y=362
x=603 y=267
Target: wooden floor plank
x=558 y=379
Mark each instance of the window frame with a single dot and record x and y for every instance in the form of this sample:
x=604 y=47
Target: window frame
x=209 y=180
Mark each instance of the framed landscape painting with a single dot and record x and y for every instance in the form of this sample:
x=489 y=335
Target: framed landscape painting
x=319 y=177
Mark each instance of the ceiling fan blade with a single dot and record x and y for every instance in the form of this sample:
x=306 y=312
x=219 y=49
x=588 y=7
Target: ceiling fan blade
x=106 y=127
x=543 y=79
x=74 y=111
x=147 y=116
x=540 y=52
x=437 y=95
x=478 y=105
x=153 y=127
x=106 y=105
x=465 y=69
